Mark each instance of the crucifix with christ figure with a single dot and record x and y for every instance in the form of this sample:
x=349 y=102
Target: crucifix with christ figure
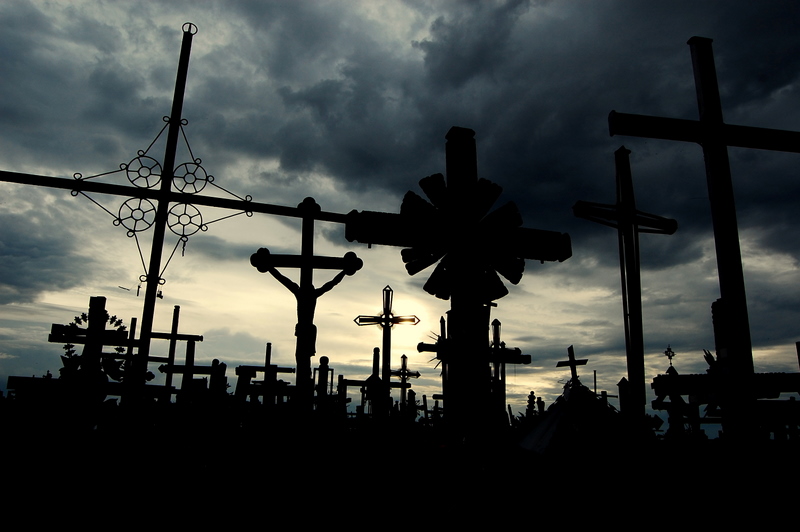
x=305 y=292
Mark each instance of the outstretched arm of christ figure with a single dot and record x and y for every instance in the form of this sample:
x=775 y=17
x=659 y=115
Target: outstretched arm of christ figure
x=330 y=284
x=285 y=281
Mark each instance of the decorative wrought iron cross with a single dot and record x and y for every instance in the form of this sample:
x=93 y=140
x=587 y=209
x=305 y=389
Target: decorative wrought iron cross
x=629 y=222
x=386 y=321
x=167 y=185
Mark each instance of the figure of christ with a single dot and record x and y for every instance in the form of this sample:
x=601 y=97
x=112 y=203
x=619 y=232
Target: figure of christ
x=305 y=330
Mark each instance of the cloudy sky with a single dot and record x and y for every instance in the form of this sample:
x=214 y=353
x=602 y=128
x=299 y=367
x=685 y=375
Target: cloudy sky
x=349 y=102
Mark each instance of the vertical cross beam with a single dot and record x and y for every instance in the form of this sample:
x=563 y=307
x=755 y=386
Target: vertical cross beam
x=723 y=207
x=162 y=212
x=499 y=374
x=173 y=343
x=629 y=222
x=468 y=396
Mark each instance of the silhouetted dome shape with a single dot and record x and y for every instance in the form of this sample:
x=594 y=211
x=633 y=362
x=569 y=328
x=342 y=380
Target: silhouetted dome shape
x=577 y=421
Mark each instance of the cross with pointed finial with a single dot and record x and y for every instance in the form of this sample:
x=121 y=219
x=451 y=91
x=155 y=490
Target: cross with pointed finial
x=386 y=321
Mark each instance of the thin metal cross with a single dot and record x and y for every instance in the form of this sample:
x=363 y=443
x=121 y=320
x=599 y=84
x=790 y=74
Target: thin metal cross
x=386 y=321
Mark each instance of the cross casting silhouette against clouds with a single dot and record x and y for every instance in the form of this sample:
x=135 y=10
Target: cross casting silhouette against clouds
x=348 y=103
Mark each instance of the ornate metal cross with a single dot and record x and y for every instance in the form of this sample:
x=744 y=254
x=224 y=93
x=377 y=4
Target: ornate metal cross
x=386 y=321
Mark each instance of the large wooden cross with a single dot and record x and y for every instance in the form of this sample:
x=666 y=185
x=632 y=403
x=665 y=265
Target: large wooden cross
x=714 y=135
x=629 y=222
x=451 y=230
x=386 y=321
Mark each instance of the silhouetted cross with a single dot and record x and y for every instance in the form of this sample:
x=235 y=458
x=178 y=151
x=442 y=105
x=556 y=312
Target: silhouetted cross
x=404 y=374
x=155 y=182
x=386 y=321
x=451 y=230
x=572 y=363
x=500 y=355
x=715 y=136
x=629 y=222
x=305 y=292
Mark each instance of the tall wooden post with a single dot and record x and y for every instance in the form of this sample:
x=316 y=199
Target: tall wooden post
x=468 y=327
x=629 y=222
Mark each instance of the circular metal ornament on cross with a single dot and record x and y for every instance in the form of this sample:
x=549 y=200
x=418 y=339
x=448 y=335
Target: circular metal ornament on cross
x=136 y=214
x=185 y=220
x=190 y=178
x=144 y=171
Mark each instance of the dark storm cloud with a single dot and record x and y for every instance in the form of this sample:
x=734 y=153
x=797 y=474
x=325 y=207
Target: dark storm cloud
x=314 y=86
x=470 y=43
x=46 y=259
x=218 y=249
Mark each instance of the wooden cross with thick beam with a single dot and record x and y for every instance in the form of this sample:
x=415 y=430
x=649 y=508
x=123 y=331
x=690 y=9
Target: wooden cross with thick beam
x=629 y=222
x=714 y=135
x=386 y=321
x=404 y=374
x=500 y=355
x=572 y=363
x=305 y=292
x=446 y=231
x=164 y=195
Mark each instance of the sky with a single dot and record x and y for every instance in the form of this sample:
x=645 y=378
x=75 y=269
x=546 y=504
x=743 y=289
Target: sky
x=349 y=103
